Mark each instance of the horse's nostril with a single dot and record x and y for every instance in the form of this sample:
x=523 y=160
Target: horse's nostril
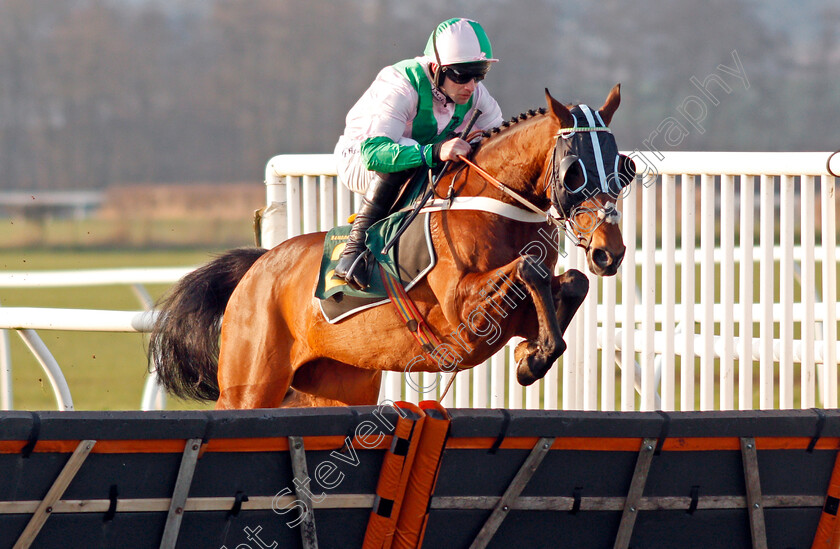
x=618 y=259
x=600 y=257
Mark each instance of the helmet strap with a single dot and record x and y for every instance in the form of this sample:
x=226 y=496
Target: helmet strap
x=439 y=70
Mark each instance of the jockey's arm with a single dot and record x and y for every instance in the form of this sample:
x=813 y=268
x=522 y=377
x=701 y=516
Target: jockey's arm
x=394 y=109
x=382 y=154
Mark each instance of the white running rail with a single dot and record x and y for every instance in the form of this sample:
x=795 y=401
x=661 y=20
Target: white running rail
x=26 y=320
x=761 y=211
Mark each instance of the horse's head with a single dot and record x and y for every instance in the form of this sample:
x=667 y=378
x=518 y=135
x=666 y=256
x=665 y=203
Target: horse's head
x=587 y=176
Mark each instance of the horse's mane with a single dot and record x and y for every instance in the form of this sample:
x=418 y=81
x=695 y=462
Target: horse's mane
x=492 y=135
x=487 y=134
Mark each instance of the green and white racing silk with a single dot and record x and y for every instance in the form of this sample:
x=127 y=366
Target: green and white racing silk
x=395 y=123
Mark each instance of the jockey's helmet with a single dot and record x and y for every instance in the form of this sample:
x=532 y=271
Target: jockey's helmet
x=460 y=42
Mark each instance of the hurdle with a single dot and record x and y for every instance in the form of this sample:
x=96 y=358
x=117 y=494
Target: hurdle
x=406 y=475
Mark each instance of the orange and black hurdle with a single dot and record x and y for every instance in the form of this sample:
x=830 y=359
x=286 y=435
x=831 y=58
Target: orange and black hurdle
x=457 y=478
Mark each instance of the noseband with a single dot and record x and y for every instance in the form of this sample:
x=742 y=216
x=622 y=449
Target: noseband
x=606 y=213
x=568 y=211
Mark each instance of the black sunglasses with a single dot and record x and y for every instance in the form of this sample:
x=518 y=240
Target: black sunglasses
x=462 y=78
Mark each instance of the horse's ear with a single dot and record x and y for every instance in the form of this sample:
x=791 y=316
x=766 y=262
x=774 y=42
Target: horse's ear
x=611 y=104
x=559 y=111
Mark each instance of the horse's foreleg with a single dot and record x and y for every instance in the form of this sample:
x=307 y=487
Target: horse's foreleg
x=569 y=289
x=567 y=292
x=487 y=300
x=535 y=357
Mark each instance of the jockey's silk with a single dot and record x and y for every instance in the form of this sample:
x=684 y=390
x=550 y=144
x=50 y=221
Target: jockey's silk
x=425 y=128
x=400 y=116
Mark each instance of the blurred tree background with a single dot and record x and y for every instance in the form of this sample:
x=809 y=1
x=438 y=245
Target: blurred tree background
x=95 y=93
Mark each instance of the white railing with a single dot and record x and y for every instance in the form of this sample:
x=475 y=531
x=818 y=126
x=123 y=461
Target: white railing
x=26 y=320
x=679 y=339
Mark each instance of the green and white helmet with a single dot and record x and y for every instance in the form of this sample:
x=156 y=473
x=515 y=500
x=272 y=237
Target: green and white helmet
x=457 y=41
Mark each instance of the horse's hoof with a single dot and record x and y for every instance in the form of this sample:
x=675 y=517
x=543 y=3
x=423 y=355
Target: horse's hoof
x=531 y=363
x=525 y=356
x=524 y=375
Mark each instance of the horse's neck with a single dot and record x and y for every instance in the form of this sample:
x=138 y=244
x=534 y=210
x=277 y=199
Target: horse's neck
x=516 y=157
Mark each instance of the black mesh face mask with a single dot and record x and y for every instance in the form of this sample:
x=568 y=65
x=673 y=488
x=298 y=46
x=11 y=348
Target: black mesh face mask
x=587 y=162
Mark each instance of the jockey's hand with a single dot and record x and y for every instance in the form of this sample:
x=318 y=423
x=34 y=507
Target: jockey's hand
x=450 y=150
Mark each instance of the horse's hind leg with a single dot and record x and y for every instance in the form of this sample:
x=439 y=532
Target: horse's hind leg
x=268 y=394
x=299 y=399
x=327 y=382
x=255 y=369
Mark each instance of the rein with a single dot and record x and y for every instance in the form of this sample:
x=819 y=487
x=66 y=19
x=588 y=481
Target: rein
x=606 y=214
x=513 y=194
x=566 y=209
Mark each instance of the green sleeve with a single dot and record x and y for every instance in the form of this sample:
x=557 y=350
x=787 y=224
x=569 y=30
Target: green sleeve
x=381 y=154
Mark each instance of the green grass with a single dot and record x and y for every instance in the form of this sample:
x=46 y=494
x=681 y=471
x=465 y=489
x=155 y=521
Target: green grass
x=105 y=371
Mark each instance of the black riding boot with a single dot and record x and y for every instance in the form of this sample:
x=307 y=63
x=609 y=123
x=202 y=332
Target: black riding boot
x=353 y=265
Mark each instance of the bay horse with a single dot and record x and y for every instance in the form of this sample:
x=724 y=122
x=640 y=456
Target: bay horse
x=493 y=281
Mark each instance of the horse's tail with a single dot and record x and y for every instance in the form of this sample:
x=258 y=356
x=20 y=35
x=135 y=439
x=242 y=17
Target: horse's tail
x=184 y=343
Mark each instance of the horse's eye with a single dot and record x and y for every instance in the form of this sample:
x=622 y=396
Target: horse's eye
x=573 y=178
x=625 y=173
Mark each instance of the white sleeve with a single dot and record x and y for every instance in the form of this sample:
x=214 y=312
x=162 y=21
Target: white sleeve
x=491 y=113
x=387 y=108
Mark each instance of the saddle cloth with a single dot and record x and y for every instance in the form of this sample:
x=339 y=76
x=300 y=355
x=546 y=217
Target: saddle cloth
x=410 y=259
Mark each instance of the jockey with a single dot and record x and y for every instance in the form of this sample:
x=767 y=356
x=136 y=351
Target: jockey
x=406 y=119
